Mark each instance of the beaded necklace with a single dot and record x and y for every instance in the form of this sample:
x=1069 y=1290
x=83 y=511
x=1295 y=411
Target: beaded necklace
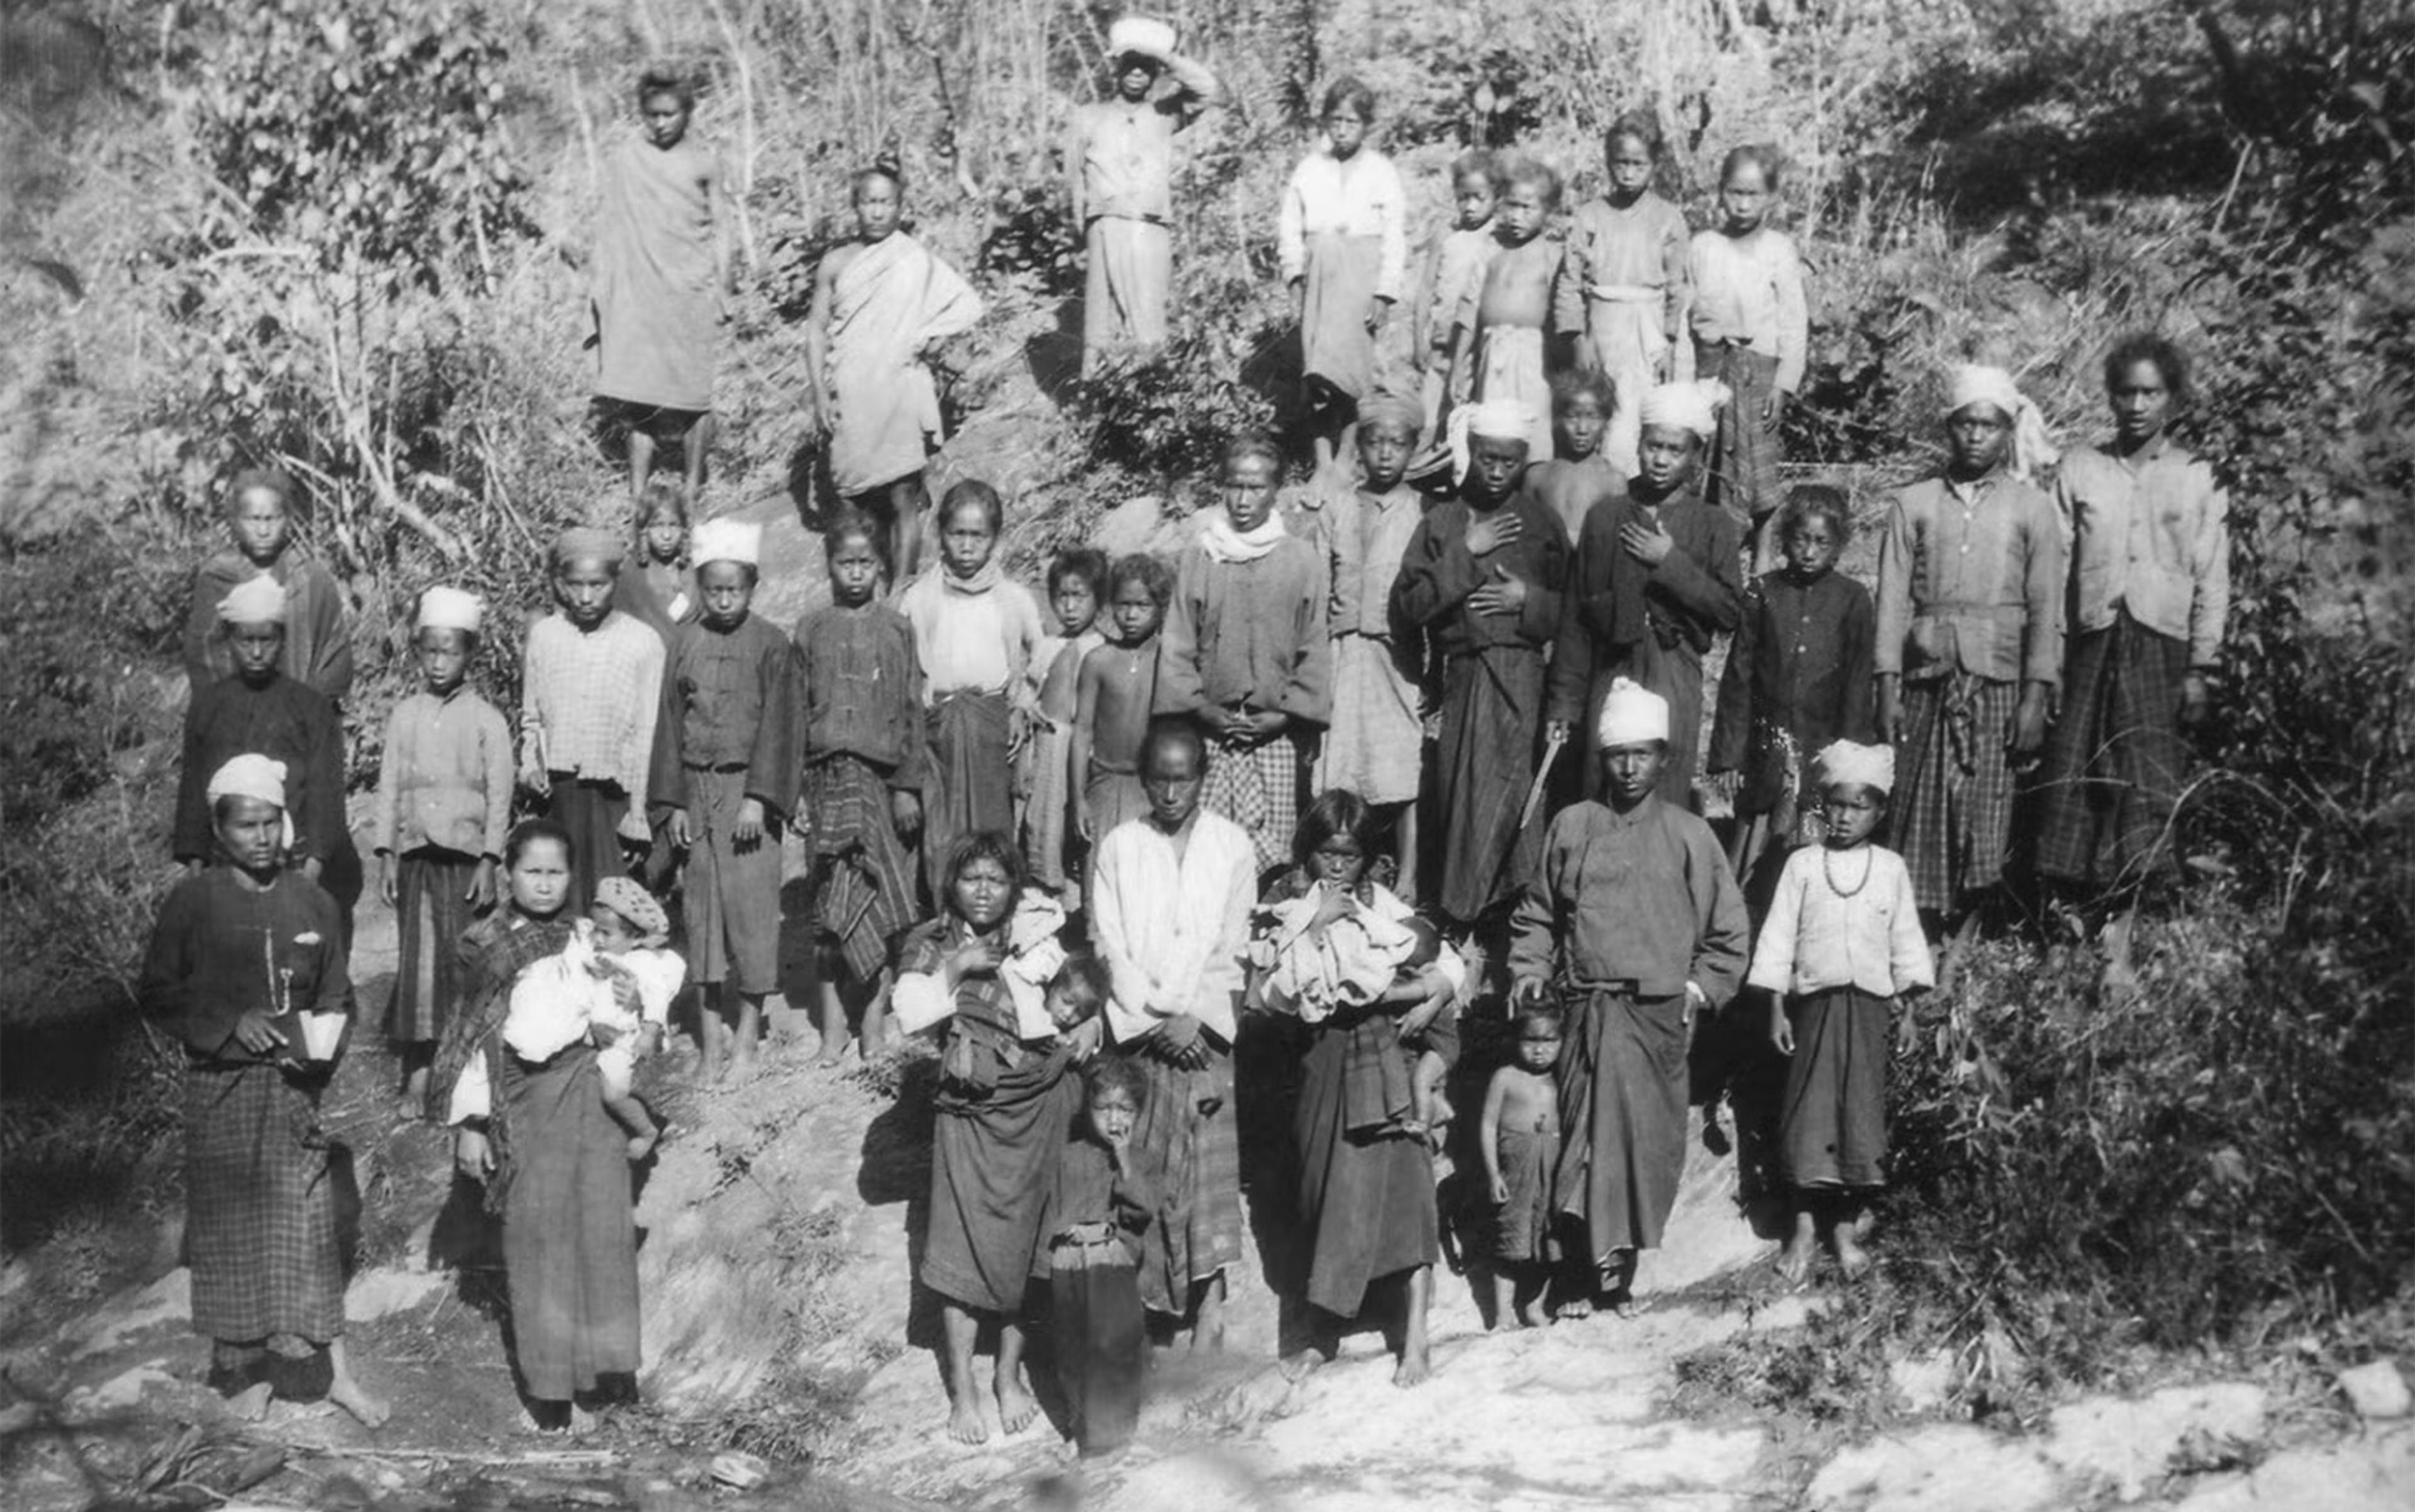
x=1827 y=870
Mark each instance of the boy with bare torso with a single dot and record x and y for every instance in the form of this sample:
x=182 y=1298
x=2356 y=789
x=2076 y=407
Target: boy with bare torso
x=1513 y=309
x=1118 y=681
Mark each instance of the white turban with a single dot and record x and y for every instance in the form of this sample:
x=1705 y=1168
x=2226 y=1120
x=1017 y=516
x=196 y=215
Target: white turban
x=1632 y=714
x=451 y=609
x=1845 y=763
x=1144 y=35
x=727 y=540
x=1502 y=420
x=2032 y=445
x=254 y=777
x=259 y=601
x=1693 y=406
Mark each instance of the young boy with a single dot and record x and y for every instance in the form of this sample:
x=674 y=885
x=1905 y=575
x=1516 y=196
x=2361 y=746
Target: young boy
x=881 y=303
x=1520 y=1140
x=1118 y=684
x=1752 y=327
x=1514 y=306
x=1077 y=590
x=860 y=707
x=591 y=694
x=318 y=627
x=1656 y=580
x=443 y=806
x=725 y=781
x=1104 y=1196
x=1119 y=161
x=1447 y=290
x=1970 y=643
x=1623 y=283
x=1245 y=654
x=1842 y=944
x=1580 y=477
x=663 y=284
x=611 y=985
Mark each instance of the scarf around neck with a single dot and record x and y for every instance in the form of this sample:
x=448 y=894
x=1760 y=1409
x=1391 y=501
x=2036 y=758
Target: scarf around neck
x=989 y=576
x=1229 y=546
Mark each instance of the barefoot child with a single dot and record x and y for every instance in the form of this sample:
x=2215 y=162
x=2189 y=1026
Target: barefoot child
x=663 y=284
x=975 y=633
x=1448 y=290
x=1622 y=286
x=443 y=804
x=881 y=303
x=1077 y=591
x=725 y=781
x=1520 y=1138
x=662 y=589
x=1104 y=1198
x=1752 y=332
x=1579 y=476
x=611 y=987
x=859 y=706
x=1118 y=684
x=1842 y=944
x=318 y=654
x=241 y=951
x=1342 y=238
x=1513 y=306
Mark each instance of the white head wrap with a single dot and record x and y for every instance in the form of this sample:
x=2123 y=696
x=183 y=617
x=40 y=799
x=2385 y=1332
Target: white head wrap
x=728 y=540
x=1502 y=419
x=1848 y=763
x=1632 y=714
x=1144 y=35
x=254 y=777
x=259 y=601
x=1693 y=406
x=451 y=609
x=2033 y=444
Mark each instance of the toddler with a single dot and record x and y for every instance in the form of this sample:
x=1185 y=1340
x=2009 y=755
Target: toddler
x=1454 y=274
x=1520 y=1138
x=1104 y=1196
x=612 y=984
x=1513 y=300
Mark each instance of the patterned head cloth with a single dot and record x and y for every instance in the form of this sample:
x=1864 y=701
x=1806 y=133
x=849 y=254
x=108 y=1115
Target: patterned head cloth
x=451 y=609
x=2032 y=444
x=256 y=601
x=727 y=540
x=1693 y=406
x=587 y=544
x=627 y=897
x=1847 y=764
x=1632 y=714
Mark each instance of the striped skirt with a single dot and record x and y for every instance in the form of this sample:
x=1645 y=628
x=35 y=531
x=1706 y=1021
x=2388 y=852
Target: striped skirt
x=1952 y=812
x=259 y=1207
x=2115 y=762
x=431 y=908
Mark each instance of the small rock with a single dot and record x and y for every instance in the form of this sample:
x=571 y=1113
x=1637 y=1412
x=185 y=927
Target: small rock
x=378 y=1293
x=119 y=1391
x=739 y=1470
x=1925 y=1383
x=2377 y=1390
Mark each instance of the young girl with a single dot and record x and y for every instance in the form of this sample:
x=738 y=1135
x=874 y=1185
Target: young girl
x=1580 y=475
x=240 y=950
x=1513 y=303
x=1343 y=237
x=318 y=652
x=1366 y=1181
x=1623 y=282
x=1077 y=588
x=1842 y=942
x=660 y=591
x=1103 y=1197
x=1520 y=1140
x=1800 y=675
x=975 y=633
x=860 y=700
x=1118 y=686
x=1752 y=331
x=612 y=987
x=555 y=1162
x=444 y=800
x=881 y=303
x=1453 y=277
x=1005 y=1103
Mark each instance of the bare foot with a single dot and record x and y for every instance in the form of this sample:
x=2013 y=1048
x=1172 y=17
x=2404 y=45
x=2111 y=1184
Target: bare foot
x=834 y=1050
x=1572 y=1309
x=1416 y=1365
x=1207 y=1338
x=1015 y=1408
x=346 y=1393
x=582 y=1422
x=743 y=1065
x=964 y=1423
x=1794 y=1263
x=1619 y=1304
x=1299 y=1367
x=641 y=1145
x=1851 y=1258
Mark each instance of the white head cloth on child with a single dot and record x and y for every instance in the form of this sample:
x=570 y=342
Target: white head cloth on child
x=258 y=601
x=628 y=897
x=1849 y=764
x=2032 y=444
x=1693 y=407
x=1632 y=714
x=1496 y=419
x=451 y=609
x=256 y=777
x=728 y=540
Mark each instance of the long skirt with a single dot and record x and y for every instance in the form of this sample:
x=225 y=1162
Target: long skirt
x=1627 y=330
x=1622 y=1075
x=1336 y=347
x=1491 y=710
x=1047 y=810
x=1123 y=297
x=1374 y=742
x=1952 y=810
x=431 y=909
x=1113 y=797
x=1186 y=1129
x=1257 y=787
x=570 y=1240
x=1742 y=475
x=730 y=897
x=992 y=1155
x=971 y=783
x=863 y=878
x=1101 y=1334
x=2115 y=763
x=592 y=812
x=1520 y=1227
x=1832 y=1123
x=1366 y=1187
x=259 y=1207
x=1509 y=366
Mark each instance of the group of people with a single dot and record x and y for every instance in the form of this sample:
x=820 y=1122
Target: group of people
x=1408 y=760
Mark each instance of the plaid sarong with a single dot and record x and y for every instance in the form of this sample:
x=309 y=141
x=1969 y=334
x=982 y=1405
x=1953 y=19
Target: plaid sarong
x=863 y=879
x=1257 y=787
x=971 y=779
x=1188 y=1131
x=1954 y=791
x=431 y=909
x=2115 y=761
x=1741 y=474
x=260 y=1207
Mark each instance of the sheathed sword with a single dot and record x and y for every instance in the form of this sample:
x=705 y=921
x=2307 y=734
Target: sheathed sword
x=1542 y=775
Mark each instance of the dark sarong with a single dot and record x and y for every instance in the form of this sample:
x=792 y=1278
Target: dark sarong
x=1832 y=1127
x=1622 y=1078
x=1366 y=1185
x=1336 y=347
x=592 y=812
x=259 y=1224
x=1101 y=1338
x=1741 y=474
x=1953 y=814
x=991 y=1155
x=730 y=898
x=431 y=908
x=1491 y=710
x=2115 y=762
x=972 y=783
x=570 y=1241
x=1520 y=1228
x=863 y=879
x=1187 y=1130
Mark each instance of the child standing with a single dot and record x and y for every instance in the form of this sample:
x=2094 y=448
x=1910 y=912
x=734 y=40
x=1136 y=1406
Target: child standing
x=1120 y=156
x=1842 y=942
x=444 y=801
x=975 y=633
x=859 y=706
x=661 y=592
x=591 y=694
x=1246 y=653
x=1118 y=685
x=1580 y=477
x=318 y=654
x=1800 y=675
x=663 y=284
x=1514 y=302
x=1343 y=237
x=1453 y=277
x=881 y=303
x=1077 y=588
x=1520 y=1139
x=1104 y=1198
x=1752 y=332
x=1623 y=287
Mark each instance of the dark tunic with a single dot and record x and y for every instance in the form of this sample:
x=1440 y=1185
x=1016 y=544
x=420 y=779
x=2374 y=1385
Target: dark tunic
x=1803 y=664
x=860 y=715
x=1366 y=1182
x=318 y=628
x=1089 y=1256
x=284 y=721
